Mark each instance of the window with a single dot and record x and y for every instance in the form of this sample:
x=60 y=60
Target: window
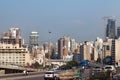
x=107 y=47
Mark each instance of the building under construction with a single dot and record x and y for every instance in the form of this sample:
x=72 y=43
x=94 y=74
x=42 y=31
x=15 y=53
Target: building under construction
x=13 y=36
x=12 y=50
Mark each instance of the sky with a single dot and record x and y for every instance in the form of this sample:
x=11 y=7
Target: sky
x=83 y=20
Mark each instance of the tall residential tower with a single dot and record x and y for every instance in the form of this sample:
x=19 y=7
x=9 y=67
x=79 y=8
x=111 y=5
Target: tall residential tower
x=111 y=29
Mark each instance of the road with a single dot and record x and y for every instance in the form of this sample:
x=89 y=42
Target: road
x=32 y=76
x=21 y=76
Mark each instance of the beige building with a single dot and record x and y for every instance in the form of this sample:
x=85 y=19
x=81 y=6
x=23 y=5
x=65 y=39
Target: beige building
x=107 y=46
x=12 y=48
x=13 y=54
x=94 y=55
x=115 y=50
x=85 y=51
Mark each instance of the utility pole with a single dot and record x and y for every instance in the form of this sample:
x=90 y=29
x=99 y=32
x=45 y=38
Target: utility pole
x=49 y=46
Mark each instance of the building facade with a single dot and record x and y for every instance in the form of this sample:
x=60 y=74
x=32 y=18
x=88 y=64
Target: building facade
x=107 y=48
x=85 y=51
x=115 y=50
x=66 y=46
x=111 y=28
x=34 y=38
x=118 y=31
x=12 y=50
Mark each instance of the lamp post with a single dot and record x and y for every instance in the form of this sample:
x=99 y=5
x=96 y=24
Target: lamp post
x=49 y=48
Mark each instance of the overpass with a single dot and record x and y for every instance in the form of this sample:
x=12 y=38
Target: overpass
x=56 y=62
x=14 y=69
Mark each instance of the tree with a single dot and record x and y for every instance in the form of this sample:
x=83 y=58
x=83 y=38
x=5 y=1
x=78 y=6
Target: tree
x=72 y=63
x=36 y=65
x=28 y=65
x=47 y=55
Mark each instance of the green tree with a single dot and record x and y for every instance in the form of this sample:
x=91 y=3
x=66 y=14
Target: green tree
x=72 y=63
x=28 y=65
x=46 y=55
x=36 y=65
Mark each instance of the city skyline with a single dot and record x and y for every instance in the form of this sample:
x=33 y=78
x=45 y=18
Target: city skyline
x=80 y=19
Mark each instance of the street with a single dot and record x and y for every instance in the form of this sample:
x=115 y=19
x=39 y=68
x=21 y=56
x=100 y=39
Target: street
x=21 y=76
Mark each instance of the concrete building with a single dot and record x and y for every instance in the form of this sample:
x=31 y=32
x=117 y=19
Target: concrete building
x=86 y=51
x=94 y=55
x=98 y=46
x=76 y=57
x=54 y=51
x=66 y=46
x=115 y=50
x=107 y=48
x=12 y=50
x=61 y=48
x=73 y=46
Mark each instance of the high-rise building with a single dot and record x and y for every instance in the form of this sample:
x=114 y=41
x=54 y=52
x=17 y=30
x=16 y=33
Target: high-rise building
x=66 y=46
x=12 y=37
x=118 y=31
x=61 y=48
x=12 y=50
x=33 y=42
x=111 y=28
x=74 y=45
x=85 y=51
x=34 y=38
x=115 y=50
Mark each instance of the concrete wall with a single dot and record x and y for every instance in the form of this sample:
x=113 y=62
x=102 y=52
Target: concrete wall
x=2 y=71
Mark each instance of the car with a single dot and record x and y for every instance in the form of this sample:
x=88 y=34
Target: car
x=97 y=69
x=110 y=67
x=51 y=75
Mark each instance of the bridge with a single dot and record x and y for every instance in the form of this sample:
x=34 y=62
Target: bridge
x=5 y=69
x=56 y=62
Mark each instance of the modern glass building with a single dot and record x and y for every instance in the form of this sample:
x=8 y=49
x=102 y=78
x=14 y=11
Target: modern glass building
x=111 y=28
x=34 y=38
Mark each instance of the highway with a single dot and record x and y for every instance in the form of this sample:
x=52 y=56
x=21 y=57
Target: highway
x=30 y=76
x=21 y=76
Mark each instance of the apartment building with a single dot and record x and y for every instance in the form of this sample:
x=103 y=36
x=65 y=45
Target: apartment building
x=12 y=49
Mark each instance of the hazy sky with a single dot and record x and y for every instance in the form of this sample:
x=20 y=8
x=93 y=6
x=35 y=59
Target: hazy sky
x=80 y=19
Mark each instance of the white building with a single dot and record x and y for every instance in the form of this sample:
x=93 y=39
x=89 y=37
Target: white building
x=12 y=50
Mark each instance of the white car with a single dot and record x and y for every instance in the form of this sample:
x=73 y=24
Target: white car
x=51 y=75
x=110 y=67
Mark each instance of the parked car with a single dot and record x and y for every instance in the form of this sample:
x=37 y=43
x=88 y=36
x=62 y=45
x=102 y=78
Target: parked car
x=52 y=75
x=97 y=69
x=110 y=67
